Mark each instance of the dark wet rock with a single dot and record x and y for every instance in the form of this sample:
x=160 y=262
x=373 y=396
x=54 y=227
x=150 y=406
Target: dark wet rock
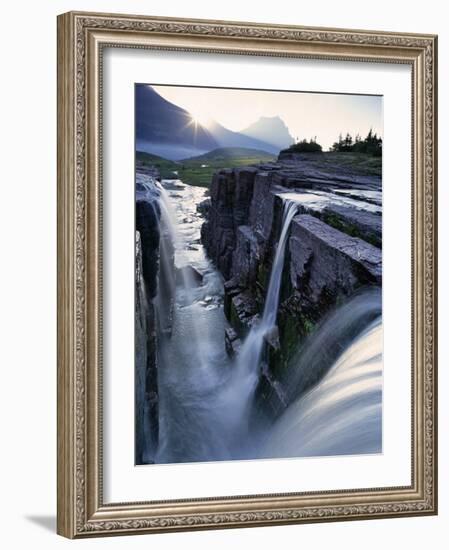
x=244 y=183
x=333 y=249
x=147 y=224
x=272 y=338
x=271 y=398
x=268 y=166
x=154 y=288
x=231 y=195
x=316 y=172
x=324 y=268
x=246 y=256
x=232 y=288
x=323 y=257
x=355 y=222
x=146 y=393
x=233 y=343
x=204 y=206
x=262 y=207
x=240 y=309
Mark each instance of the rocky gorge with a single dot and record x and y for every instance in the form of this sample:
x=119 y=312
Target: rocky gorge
x=202 y=296
x=333 y=253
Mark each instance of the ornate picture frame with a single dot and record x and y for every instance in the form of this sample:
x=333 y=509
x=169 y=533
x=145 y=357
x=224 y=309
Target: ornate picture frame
x=82 y=39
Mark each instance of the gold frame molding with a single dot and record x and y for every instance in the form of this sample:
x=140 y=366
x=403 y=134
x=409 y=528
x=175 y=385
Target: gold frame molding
x=81 y=39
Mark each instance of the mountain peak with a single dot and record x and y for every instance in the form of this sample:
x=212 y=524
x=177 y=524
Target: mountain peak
x=273 y=118
x=166 y=129
x=271 y=129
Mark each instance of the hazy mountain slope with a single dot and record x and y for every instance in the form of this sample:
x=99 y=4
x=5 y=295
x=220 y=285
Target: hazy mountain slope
x=270 y=129
x=228 y=138
x=167 y=130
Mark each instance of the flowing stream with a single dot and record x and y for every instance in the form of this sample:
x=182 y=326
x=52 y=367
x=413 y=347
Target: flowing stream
x=205 y=398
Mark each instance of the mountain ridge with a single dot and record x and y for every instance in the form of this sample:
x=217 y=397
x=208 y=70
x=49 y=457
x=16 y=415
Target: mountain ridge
x=169 y=131
x=271 y=129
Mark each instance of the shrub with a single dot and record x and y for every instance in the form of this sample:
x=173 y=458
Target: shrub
x=371 y=145
x=305 y=146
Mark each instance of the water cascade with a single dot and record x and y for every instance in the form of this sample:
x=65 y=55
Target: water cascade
x=248 y=361
x=342 y=413
x=332 y=337
x=194 y=366
x=205 y=398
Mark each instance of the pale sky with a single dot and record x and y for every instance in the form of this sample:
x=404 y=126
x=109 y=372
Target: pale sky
x=305 y=114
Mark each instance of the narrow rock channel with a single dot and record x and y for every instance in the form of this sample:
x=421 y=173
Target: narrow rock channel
x=205 y=310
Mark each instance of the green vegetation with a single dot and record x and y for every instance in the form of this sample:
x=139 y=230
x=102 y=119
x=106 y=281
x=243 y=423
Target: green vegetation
x=356 y=163
x=166 y=167
x=348 y=228
x=371 y=145
x=226 y=154
x=361 y=150
x=305 y=146
x=199 y=170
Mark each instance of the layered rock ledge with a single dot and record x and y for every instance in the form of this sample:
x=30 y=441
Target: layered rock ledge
x=333 y=250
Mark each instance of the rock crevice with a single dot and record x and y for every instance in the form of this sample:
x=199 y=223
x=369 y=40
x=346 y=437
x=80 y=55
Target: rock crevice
x=333 y=250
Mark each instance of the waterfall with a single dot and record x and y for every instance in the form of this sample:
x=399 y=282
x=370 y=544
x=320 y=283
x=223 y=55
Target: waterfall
x=331 y=337
x=333 y=388
x=342 y=413
x=194 y=366
x=272 y=300
x=250 y=354
x=184 y=283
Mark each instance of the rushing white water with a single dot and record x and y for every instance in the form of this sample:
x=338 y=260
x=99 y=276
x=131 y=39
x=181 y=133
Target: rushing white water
x=342 y=414
x=272 y=300
x=248 y=362
x=205 y=399
x=193 y=363
x=318 y=200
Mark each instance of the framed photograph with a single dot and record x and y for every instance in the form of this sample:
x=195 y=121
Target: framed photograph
x=246 y=274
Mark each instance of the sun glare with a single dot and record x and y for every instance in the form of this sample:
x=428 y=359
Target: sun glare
x=200 y=119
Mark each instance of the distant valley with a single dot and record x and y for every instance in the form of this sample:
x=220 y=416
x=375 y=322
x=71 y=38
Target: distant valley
x=198 y=170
